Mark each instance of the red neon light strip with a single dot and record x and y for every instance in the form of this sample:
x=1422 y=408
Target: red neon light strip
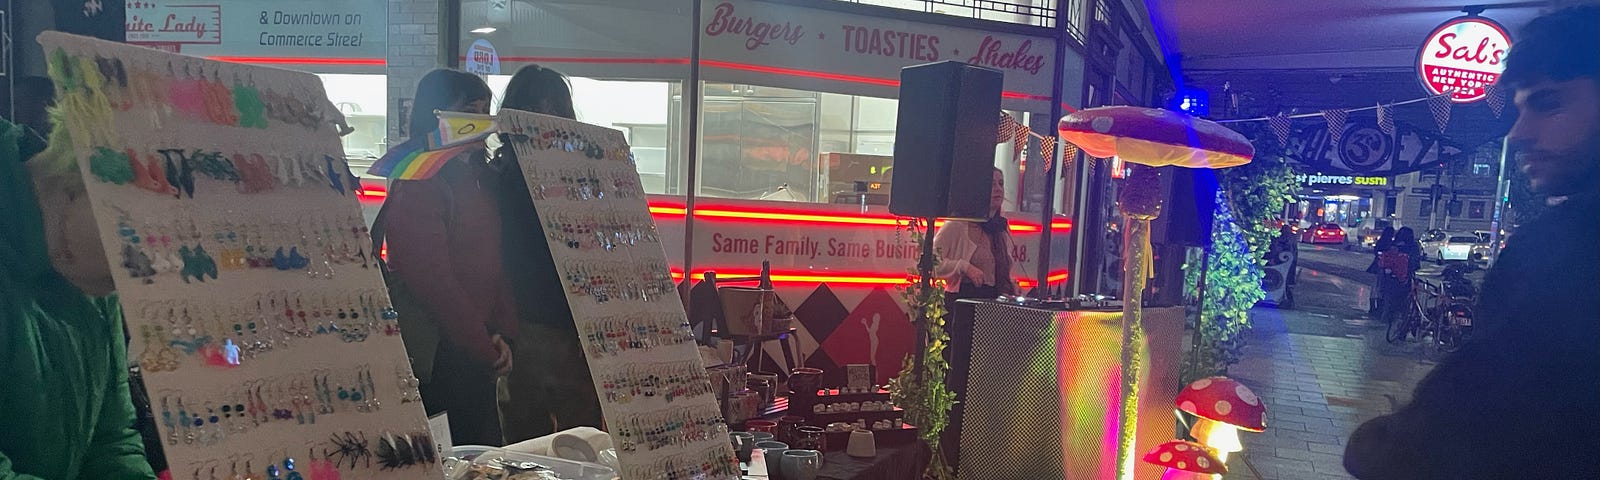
x=648 y=61
x=846 y=278
x=302 y=61
x=885 y=82
x=812 y=218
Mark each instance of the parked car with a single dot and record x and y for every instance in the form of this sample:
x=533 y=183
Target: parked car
x=1457 y=247
x=1324 y=233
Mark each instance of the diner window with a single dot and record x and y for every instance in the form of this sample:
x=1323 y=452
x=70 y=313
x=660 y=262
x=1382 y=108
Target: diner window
x=772 y=143
x=1476 y=210
x=1426 y=207
x=645 y=111
x=1027 y=12
x=363 y=101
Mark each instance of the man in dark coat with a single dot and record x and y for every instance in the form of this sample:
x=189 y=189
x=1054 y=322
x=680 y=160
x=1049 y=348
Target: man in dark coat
x=1519 y=399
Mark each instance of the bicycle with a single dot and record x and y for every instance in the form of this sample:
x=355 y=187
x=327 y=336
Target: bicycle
x=1432 y=313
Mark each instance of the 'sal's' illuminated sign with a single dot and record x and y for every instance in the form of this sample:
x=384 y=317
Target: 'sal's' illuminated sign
x=1313 y=180
x=1463 y=56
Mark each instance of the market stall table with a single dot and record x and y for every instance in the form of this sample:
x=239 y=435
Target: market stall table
x=900 y=462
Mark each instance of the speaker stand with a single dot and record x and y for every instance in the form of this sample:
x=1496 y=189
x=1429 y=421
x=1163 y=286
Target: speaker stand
x=924 y=284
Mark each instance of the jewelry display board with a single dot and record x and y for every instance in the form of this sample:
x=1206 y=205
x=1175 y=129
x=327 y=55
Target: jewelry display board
x=257 y=312
x=653 y=386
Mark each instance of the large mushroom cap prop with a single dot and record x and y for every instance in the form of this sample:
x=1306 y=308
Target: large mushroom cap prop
x=1224 y=406
x=1186 y=461
x=1155 y=137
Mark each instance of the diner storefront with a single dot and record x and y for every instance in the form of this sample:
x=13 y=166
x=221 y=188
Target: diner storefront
x=791 y=109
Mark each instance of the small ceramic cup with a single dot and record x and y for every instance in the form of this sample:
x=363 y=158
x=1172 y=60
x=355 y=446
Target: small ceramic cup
x=743 y=443
x=773 y=452
x=763 y=437
x=862 y=444
x=801 y=464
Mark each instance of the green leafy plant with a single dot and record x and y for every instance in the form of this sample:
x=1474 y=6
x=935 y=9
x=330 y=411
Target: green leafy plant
x=1233 y=285
x=1257 y=192
x=1249 y=198
x=923 y=393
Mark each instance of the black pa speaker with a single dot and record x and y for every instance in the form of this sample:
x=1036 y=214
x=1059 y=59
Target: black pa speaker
x=944 y=140
x=1191 y=201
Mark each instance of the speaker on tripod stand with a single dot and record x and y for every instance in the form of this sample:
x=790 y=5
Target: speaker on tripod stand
x=944 y=140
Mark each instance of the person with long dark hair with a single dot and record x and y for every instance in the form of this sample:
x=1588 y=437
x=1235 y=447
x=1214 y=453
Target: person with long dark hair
x=444 y=237
x=975 y=257
x=559 y=393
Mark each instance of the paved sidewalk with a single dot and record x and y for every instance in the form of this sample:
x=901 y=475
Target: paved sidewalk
x=1322 y=371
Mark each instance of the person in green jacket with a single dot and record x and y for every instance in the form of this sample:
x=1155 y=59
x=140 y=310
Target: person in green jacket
x=65 y=413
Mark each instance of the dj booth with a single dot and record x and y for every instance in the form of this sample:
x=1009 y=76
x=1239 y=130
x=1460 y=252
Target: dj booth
x=1037 y=390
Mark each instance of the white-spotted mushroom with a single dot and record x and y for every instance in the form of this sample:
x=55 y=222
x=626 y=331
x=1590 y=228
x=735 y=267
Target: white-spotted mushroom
x=1186 y=461
x=1224 y=400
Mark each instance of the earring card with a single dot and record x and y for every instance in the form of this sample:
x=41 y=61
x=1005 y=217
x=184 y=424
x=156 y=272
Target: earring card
x=252 y=296
x=624 y=299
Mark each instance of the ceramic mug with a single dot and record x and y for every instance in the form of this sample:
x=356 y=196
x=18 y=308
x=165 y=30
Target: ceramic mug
x=804 y=381
x=744 y=443
x=772 y=378
x=764 y=436
x=767 y=426
x=807 y=437
x=788 y=426
x=801 y=464
x=773 y=452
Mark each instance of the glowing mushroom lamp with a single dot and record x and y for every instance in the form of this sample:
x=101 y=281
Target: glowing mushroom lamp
x=1186 y=461
x=1147 y=138
x=1224 y=407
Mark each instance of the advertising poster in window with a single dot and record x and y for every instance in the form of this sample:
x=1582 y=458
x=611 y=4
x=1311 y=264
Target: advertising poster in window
x=346 y=36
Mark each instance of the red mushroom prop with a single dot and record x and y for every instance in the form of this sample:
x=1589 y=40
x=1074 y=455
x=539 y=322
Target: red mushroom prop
x=1147 y=137
x=1224 y=407
x=1186 y=461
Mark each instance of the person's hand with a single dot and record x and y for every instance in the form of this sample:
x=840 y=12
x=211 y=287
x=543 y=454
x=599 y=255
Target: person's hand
x=976 y=274
x=502 y=365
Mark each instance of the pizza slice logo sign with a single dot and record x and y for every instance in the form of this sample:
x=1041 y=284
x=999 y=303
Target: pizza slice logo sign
x=1463 y=57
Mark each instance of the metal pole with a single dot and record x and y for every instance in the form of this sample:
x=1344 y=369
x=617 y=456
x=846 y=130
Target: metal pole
x=691 y=102
x=1200 y=315
x=1048 y=210
x=924 y=284
x=1502 y=196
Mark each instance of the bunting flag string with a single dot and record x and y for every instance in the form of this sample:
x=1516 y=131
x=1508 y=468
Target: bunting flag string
x=1496 y=98
x=1047 y=150
x=1336 y=118
x=1386 y=119
x=1008 y=128
x=1280 y=127
x=1440 y=106
x=1069 y=154
x=1020 y=141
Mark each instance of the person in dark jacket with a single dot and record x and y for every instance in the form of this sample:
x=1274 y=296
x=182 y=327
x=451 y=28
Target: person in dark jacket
x=555 y=390
x=1518 y=400
x=444 y=240
x=1385 y=240
x=1394 y=281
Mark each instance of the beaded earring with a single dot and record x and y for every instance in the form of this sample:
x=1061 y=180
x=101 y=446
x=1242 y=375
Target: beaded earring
x=252 y=112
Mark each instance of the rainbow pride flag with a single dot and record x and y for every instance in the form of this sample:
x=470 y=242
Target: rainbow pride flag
x=456 y=128
x=413 y=161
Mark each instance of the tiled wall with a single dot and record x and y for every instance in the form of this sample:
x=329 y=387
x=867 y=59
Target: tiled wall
x=416 y=46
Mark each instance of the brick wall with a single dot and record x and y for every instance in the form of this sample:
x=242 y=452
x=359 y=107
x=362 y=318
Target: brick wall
x=416 y=46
